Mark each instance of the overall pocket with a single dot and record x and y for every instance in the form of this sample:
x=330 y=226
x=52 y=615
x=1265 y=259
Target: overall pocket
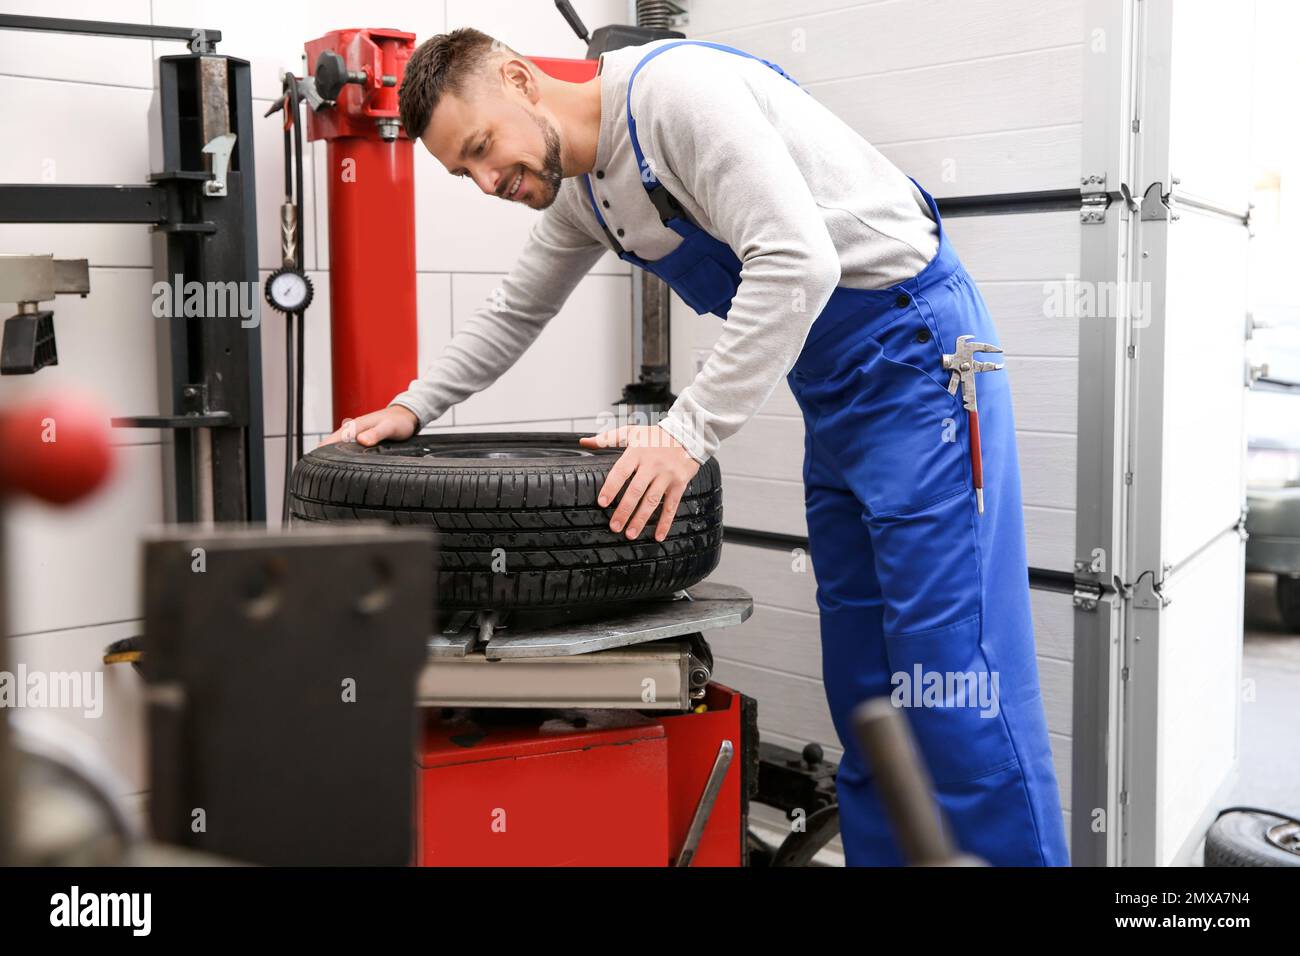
x=705 y=286
x=942 y=681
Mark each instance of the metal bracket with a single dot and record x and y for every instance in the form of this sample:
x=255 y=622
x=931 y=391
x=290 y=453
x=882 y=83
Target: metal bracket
x=307 y=89
x=1149 y=594
x=202 y=41
x=1094 y=200
x=192 y=413
x=219 y=148
x=1155 y=204
x=1086 y=595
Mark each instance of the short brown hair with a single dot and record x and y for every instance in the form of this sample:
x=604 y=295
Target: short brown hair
x=441 y=64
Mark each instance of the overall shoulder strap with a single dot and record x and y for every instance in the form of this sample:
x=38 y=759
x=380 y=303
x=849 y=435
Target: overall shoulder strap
x=667 y=206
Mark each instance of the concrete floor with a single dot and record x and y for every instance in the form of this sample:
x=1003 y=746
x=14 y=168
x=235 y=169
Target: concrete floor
x=1269 y=770
x=1270 y=725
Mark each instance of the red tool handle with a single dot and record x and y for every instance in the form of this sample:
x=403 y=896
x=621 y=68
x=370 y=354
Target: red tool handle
x=976 y=459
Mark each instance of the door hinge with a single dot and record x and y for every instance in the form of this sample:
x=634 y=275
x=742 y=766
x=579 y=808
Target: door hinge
x=1094 y=199
x=1086 y=595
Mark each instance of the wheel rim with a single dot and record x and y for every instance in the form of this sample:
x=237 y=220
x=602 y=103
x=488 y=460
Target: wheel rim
x=483 y=452
x=1285 y=836
x=524 y=453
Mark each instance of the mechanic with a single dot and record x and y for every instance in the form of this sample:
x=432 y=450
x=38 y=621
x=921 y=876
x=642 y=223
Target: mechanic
x=714 y=170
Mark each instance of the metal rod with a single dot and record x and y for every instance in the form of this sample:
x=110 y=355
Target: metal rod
x=902 y=783
x=711 y=789
x=1003 y=204
x=204 y=505
x=1043 y=579
x=108 y=28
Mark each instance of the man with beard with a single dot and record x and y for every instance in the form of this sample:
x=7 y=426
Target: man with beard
x=712 y=169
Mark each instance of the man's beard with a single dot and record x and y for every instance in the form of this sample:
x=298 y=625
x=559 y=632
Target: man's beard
x=552 y=172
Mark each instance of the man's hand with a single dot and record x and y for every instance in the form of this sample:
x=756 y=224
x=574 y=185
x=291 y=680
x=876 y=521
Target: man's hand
x=395 y=421
x=659 y=469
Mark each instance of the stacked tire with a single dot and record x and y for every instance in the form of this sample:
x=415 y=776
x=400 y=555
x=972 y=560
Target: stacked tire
x=516 y=517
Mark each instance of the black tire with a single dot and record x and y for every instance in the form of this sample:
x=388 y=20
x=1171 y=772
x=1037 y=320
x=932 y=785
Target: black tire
x=1240 y=838
x=530 y=495
x=1288 y=601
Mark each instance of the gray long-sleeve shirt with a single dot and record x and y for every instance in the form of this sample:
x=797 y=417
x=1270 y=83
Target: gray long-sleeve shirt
x=805 y=203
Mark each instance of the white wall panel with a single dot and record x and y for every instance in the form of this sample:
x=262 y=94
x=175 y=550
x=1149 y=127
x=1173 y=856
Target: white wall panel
x=117 y=733
x=99 y=60
x=274 y=462
x=106 y=344
x=64 y=133
x=1203 y=420
x=433 y=309
x=982 y=164
x=80 y=565
x=445 y=204
x=1211 y=77
x=818 y=46
x=960 y=99
x=577 y=365
x=1199 y=690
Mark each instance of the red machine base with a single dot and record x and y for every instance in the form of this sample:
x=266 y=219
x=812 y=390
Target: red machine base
x=584 y=788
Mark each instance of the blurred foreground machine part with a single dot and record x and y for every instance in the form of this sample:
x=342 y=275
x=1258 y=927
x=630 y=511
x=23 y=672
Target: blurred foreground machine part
x=27 y=281
x=281 y=672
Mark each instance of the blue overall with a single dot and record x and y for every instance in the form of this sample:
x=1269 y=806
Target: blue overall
x=921 y=597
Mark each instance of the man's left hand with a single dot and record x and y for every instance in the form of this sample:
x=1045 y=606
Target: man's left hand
x=656 y=469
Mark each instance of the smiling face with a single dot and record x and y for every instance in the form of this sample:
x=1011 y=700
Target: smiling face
x=496 y=133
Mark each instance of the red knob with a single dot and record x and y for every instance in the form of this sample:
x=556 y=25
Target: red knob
x=55 y=448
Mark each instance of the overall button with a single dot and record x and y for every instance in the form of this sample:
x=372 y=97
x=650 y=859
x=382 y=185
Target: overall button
x=600 y=174
x=903 y=300
x=923 y=336
x=620 y=233
x=605 y=203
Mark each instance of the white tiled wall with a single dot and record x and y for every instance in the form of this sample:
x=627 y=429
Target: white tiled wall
x=77 y=110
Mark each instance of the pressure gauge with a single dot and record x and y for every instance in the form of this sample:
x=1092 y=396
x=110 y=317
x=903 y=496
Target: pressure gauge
x=288 y=290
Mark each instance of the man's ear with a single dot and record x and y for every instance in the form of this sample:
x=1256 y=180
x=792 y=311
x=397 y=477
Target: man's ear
x=518 y=75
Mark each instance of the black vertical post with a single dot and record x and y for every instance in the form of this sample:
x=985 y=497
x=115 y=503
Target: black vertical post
x=215 y=361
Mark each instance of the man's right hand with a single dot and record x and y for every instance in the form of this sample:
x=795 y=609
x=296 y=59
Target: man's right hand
x=394 y=422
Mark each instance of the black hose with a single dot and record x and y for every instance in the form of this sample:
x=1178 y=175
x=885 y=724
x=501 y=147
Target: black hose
x=295 y=99
x=295 y=386
x=288 y=416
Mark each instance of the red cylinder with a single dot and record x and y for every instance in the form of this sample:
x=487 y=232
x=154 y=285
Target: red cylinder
x=371 y=192
x=372 y=272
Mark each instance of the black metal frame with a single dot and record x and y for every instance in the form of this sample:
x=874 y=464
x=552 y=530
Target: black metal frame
x=215 y=363
x=200 y=40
